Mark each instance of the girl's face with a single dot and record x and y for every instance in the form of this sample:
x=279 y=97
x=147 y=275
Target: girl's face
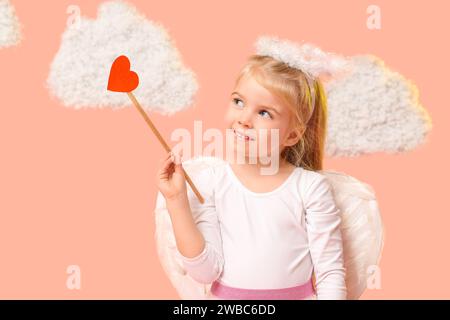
x=252 y=108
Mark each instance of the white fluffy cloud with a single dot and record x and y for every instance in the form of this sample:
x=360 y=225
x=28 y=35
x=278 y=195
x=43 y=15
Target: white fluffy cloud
x=80 y=70
x=9 y=25
x=374 y=110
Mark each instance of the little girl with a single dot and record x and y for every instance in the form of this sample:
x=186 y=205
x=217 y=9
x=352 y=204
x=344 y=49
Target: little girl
x=263 y=236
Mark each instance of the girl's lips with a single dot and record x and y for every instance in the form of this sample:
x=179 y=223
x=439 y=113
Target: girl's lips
x=242 y=136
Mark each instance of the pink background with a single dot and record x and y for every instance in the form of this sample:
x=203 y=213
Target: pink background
x=77 y=187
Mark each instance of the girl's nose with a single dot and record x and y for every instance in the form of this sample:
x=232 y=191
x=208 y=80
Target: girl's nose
x=245 y=118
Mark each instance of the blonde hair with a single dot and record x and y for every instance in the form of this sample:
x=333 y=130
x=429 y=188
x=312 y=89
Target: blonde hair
x=292 y=87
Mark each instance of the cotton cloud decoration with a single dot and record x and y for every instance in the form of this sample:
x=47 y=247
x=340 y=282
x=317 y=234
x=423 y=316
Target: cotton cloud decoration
x=79 y=72
x=10 y=34
x=374 y=109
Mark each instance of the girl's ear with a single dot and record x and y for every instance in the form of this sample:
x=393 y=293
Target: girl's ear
x=293 y=137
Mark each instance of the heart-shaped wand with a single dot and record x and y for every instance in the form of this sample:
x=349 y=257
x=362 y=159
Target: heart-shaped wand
x=122 y=79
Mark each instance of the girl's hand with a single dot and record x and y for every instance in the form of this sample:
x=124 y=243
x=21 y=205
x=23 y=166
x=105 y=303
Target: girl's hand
x=170 y=179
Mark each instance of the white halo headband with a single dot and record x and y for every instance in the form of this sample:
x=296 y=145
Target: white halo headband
x=310 y=59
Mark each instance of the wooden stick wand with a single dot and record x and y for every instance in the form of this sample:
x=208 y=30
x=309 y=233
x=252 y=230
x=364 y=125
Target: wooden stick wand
x=122 y=79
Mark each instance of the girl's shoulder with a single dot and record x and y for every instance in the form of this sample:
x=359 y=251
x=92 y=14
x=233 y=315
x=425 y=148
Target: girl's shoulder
x=313 y=181
x=312 y=173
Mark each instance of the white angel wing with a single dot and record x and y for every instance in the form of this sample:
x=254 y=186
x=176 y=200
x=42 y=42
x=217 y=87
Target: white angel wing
x=187 y=288
x=361 y=227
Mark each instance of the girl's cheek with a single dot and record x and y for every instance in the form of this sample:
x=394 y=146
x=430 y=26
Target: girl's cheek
x=229 y=116
x=271 y=136
x=231 y=109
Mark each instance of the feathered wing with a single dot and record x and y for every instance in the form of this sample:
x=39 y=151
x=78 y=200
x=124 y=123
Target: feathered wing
x=362 y=229
x=187 y=288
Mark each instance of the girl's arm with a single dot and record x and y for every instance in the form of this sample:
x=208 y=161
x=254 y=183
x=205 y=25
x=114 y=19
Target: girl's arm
x=196 y=231
x=189 y=240
x=207 y=265
x=323 y=220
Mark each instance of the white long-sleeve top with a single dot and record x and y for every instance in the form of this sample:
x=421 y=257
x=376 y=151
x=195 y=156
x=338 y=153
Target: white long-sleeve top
x=268 y=240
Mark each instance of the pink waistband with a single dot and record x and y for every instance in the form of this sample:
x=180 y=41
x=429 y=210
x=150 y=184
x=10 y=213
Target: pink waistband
x=293 y=293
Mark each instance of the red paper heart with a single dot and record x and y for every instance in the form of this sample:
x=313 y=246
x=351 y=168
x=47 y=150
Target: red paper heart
x=121 y=79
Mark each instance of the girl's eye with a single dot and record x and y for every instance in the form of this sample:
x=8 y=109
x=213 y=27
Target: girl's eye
x=264 y=112
x=236 y=99
x=267 y=112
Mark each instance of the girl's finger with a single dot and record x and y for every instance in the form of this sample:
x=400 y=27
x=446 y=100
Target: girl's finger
x=167 y=163
x=178 y=156
x=165 y=173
